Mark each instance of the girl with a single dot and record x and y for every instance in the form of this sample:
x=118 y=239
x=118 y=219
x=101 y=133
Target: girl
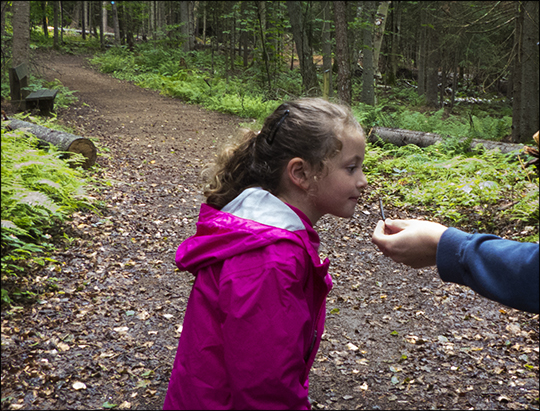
x=256 y=312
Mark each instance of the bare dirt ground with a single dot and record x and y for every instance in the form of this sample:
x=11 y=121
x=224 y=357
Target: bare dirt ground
x=396 y=338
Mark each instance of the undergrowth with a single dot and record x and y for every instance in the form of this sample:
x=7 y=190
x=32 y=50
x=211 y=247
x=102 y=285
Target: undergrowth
x=39 y=192
x=482 y=190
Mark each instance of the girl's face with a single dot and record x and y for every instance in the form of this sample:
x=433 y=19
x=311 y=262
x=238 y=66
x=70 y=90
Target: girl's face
x=338 y=189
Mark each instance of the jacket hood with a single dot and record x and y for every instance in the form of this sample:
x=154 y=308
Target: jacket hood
x=251 y=221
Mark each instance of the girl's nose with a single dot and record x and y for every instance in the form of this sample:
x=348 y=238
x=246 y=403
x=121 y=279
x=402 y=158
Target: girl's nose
x=362 y=181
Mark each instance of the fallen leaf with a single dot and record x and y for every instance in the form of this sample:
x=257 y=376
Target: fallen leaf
x=62 y=346
x=79 y=385
x=352 y=347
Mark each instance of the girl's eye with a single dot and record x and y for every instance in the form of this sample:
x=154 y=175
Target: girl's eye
x=351 y=169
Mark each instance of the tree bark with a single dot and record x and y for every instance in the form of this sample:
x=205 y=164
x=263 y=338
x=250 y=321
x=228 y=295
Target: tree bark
x=368 y=76
x=83 y=19
x=310 y=83
x=56 y=45
x=342 y=53
x=116 y=24
x=184 y=29
x=525 y=106
x=327 y=48
x=400 y=137
x=21 y=32
x=382 y=14
x=64 y=141
x=396 y=23
x=44 y=22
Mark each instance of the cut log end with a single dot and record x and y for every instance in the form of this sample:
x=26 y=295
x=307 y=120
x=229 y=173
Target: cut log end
x=87 y=149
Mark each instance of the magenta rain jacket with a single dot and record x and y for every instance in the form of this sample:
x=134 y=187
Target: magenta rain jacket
x=255 y=316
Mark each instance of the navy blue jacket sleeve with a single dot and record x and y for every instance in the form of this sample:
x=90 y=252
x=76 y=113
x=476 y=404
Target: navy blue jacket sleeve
x=501 y=270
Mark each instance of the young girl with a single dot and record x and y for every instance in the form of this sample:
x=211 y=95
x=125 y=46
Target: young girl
x=256 y=312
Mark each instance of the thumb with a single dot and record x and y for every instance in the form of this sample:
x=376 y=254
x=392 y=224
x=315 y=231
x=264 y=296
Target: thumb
x=395 y=226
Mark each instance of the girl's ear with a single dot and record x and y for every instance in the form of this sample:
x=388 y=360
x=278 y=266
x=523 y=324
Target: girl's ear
x=298 y=172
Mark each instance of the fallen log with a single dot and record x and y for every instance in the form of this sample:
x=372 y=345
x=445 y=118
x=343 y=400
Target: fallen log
x=64 y=141
x=400 y=137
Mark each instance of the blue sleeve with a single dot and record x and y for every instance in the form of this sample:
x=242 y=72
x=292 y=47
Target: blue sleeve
x=501 y=270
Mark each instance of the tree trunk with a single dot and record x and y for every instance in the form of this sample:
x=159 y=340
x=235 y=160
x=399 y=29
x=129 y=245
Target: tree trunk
x=83 y=19
x=310 y=83
x=204 y=24
x=525 y=107
x=342 y=53
x=432 y=67
x=102 y=24
x=382 y=14
x=116 y=24
x=128 y=21
x=21 y=32
x=396 y=23
x=261 y=14
x=422 y=46
x=76 y=16
x=327 y=48
x=56 y=45
x=368 y=76
x=64 y=141
x=184 y=28
x=44 y=22
x=61 y=22
x=104 y=16
x=400 y=137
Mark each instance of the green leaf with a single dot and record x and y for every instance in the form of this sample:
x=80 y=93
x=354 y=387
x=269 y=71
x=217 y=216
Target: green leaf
x=394 y=333
x=334 y=311
x=107 y=404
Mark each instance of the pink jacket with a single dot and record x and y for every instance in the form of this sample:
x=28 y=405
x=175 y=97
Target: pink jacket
x=255 y=316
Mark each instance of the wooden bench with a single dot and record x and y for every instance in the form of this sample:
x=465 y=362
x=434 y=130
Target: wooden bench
x=24 y=99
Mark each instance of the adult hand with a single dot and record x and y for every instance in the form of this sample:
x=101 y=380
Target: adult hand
x=411 y=242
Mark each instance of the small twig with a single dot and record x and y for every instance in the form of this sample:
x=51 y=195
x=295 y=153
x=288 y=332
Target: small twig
x=382 y=209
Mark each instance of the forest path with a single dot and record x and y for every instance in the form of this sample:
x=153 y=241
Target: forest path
x=396 y=338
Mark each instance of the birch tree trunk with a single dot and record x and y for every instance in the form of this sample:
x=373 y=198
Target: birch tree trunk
x=378 y=34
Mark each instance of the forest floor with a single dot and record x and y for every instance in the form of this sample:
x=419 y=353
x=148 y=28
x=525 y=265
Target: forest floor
x=396 y=338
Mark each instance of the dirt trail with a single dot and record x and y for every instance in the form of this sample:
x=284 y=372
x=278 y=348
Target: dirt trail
x=396 y=338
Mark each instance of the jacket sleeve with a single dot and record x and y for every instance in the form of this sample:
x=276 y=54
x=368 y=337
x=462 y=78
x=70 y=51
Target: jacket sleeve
x=501 y=270
x=265 y=327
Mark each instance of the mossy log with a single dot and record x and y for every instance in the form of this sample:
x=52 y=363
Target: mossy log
x=64 y=141
x=400 y=137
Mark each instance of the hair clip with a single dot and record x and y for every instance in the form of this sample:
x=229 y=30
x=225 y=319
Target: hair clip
x=270 y=139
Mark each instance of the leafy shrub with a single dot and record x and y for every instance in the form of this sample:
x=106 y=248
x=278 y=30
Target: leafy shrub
x=455 y=187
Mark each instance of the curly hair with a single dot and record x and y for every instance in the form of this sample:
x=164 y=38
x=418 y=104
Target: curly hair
x=308 y=128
